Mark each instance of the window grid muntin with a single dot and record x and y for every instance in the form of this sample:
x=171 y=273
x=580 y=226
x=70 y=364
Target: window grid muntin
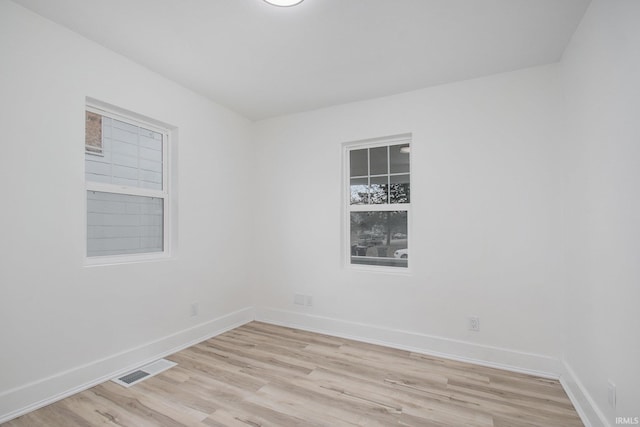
x=388 y=206
x=388 y=175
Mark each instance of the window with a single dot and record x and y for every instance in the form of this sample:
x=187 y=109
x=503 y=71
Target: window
x=379 y=177
x=126 y=187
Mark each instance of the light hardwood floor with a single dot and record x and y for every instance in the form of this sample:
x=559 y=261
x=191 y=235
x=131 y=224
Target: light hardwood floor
x=265 y=375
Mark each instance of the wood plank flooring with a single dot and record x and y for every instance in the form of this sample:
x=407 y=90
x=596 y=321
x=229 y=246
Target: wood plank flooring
x=265 y=375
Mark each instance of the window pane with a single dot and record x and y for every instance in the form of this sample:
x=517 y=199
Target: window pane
x=121 y=153
x=359 y=191
x=399 y=189
x=379 y=189
x=123 y=224
x=378 y=161
x=379 y=238
x=399 y=158
x=359 y=163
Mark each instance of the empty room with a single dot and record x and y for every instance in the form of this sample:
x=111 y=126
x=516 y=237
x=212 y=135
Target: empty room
x=320 y=213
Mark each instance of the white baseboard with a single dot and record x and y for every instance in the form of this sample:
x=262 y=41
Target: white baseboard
x=29 y=397
x=464 y=351
x=583 y=402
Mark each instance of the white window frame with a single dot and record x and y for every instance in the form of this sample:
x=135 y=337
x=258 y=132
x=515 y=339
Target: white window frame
x=164 y=194
x=388 y=207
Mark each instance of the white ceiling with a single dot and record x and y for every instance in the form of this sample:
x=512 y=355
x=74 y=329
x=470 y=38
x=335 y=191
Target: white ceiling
x=264 y=61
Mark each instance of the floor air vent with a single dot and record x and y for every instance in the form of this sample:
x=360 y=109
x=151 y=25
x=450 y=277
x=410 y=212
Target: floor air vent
x=147 y=371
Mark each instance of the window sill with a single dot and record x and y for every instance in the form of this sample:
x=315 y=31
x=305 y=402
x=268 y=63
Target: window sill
x=379 y=269
x=98 y=261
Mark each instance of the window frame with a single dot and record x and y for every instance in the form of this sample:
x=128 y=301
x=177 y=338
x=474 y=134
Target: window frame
x=165 y=193
x=348 y=208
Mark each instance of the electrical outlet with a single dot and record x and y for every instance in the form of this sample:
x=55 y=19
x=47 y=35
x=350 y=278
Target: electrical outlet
x=309 y=301
x=298 y=299
x=611 y=394
x=474 y=323
x=194 y=309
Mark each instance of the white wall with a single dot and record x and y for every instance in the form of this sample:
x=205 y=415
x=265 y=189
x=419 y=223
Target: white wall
x=601 y=79
x=63 y=324
x=525 y=213
x=485 y=197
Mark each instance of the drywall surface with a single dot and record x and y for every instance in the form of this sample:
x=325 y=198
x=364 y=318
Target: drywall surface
x=56 y=314
x=601 y=69
x=524 y=214
x=484 y=221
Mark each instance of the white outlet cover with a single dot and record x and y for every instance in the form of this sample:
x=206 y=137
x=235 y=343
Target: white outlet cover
x=611 y=394
x=298 y=299
x=474 y=323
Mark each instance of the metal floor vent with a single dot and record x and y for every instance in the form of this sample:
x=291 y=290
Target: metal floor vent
x=147 y=371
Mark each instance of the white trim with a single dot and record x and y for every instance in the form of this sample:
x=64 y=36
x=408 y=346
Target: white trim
x=35 y=395
x=387 y=207
x=380 y=269
x=101 y=187
x=379 y=142
x=122 y=115
x=347 y=207
x=29 y=397
x=464 y=351
x=104 y=260
x=165 y=193
x=584 y=404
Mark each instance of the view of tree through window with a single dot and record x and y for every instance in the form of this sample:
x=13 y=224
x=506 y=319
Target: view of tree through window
x=379 y=184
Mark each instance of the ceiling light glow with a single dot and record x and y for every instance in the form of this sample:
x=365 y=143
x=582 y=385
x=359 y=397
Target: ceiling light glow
x=284 y=3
